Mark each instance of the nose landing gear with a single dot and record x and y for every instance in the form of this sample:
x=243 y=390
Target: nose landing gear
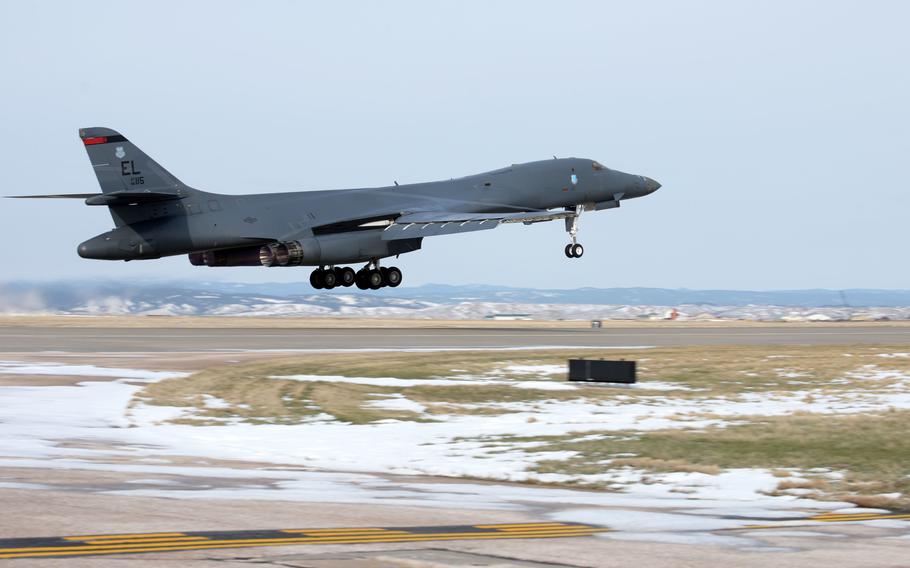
x=574 y=249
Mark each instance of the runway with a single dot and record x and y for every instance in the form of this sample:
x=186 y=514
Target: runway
x=180 y=541
x=163 y=339
x=135 y=543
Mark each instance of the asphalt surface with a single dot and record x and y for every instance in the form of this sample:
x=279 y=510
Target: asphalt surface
x=92 y=545
x=173 y=541
x=86 y=339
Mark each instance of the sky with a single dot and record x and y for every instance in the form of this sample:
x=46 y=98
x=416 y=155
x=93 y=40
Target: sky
x=779 y=130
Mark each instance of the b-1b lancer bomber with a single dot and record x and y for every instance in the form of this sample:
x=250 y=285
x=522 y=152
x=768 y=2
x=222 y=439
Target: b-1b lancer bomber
x=157 y=215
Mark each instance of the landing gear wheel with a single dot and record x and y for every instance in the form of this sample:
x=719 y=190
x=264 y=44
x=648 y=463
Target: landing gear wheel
x=328 y=279
x=375 y=280
x=393 y=277
x=316 y=279
x=569 y=250
x=577 y=250
x=347 y=277
x=360 y=279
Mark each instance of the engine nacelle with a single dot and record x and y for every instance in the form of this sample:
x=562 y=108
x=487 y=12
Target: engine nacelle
x=245 y=256
x=337 y=248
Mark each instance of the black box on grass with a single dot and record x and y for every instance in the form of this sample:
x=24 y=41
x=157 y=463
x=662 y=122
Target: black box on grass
x=600 y=371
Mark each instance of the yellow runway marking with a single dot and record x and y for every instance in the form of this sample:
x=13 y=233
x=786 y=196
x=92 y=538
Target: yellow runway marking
x=124 y=544
x=189 y=541
x=823 y=518
x=857 y=517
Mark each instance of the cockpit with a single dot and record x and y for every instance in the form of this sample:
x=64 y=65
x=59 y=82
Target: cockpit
x=598 y=167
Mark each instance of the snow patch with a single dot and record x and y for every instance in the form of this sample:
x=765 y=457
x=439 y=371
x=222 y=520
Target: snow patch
x=60 y=369
x=543 y=385
x=397 y=402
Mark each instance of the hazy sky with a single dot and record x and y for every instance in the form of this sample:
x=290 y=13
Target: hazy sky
x=779 y=130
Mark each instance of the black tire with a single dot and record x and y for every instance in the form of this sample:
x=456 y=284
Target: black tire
x=328 y=279
x=568 y=250
x=347 y=277
x=393 y=277
x=577 y=250
x=360 y=279
x=375 y=280
x=316 y=279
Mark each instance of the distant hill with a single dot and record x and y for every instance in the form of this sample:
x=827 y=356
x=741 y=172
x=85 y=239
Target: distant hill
x=446 y=301
x=446 y=293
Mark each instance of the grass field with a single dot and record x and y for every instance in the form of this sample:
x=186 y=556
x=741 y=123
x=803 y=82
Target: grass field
x=829 y=421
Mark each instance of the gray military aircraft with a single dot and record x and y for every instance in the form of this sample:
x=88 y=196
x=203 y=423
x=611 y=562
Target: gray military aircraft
x=157 y=215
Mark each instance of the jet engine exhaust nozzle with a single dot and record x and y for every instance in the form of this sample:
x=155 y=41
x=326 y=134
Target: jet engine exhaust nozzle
x=281 y=254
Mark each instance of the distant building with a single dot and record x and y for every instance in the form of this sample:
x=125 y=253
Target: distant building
x=508 y=317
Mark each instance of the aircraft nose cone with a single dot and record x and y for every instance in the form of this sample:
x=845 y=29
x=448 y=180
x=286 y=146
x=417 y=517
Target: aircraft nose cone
x=651 y=185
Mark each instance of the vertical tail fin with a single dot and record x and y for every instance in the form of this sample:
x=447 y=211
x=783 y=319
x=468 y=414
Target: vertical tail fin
x=121 y=166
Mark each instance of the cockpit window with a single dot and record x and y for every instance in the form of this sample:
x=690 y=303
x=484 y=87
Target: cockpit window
x=597 y=166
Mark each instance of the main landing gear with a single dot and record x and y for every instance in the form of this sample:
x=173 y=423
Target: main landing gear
x=574 y=249
x=331 y=277
x=370 y=277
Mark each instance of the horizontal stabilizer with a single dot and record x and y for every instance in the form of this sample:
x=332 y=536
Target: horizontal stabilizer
x=55 y=196
x=131 y=197
x=110 y=199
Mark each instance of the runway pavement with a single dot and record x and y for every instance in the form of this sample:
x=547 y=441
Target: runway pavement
x=134 y=543
x=177 y=541
x=99 y=339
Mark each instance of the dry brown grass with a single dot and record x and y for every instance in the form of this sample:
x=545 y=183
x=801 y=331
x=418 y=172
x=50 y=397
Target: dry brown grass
x=732 y=370
x=872 y=452
x=652 y=464
x=705 y=371
x=873 y=501
x=811 y=483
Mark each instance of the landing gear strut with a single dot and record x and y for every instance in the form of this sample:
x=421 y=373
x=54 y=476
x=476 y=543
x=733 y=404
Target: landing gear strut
x=574 y=249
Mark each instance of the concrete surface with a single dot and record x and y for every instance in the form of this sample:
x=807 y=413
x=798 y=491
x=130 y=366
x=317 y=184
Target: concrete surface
x=94 y=339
